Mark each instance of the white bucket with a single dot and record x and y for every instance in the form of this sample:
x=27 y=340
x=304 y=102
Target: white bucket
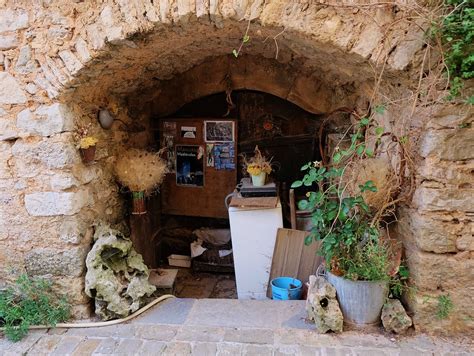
x=259 y=180
x=361 y=302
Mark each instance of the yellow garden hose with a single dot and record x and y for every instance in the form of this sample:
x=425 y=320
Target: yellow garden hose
x=104 y=323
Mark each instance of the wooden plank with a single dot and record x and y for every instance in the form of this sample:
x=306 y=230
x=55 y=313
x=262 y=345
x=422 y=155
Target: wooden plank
x=292 y=209
x=141 y=236
x=261 y=202
x=292 y=258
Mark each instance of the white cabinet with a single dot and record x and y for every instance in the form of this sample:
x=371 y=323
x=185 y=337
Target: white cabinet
x=253 y=233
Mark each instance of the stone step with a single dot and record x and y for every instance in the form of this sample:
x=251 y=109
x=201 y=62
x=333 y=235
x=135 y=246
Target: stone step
x=229 y=313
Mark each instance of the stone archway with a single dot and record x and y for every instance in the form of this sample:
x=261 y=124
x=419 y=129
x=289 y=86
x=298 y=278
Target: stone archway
x=151 y=57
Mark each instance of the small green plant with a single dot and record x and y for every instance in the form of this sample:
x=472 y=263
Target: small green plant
x=245 y=39
x=399 y=284
x=445 y=306
x=30 y=301
x=456 y=31
x=350 y=239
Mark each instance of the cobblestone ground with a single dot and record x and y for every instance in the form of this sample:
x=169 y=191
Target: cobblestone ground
x=225 y=327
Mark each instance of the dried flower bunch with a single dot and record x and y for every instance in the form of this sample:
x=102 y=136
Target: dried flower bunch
x=140 y=170
x=258 y=163
x=84 y=138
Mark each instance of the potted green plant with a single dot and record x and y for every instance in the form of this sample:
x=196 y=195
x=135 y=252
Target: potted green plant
x=258 y=167
x=86 y=143
x=346 y=215
x=142 y=172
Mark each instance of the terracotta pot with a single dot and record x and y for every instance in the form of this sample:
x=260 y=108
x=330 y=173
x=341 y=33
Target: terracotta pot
x=88 y=154
x=138 y=203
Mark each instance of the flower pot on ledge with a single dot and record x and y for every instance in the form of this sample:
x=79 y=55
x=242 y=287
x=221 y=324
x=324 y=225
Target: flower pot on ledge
x=138 y=203
x=88 y=154
x=259 y=180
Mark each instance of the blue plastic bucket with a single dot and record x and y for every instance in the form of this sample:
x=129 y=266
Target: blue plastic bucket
x=286 y=288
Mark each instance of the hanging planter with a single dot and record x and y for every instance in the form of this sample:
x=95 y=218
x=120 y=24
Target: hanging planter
x=86 y=143
x=138 y=203
x=88 y=154
x=142 y=172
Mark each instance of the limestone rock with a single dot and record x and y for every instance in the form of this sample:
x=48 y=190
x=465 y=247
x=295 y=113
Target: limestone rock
x=82 y=51
x=447 y=199
x=48 y=261
x=8 y=129
x=47 y=120
x=10 y=91
x=54 y=153
x=432 y=271
x=394 y=317
x=466 y=241
x=54 y=203
x=25 y=63
x=70 y=61
x=450 y=144
x=116 y=276
x=5 y=155
x=11 y=20
x=322 y=305
x=73 y=230
x=432 y=232
x=8 y=42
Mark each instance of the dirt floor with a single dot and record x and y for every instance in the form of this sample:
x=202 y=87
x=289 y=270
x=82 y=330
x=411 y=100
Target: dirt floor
x=199 y=285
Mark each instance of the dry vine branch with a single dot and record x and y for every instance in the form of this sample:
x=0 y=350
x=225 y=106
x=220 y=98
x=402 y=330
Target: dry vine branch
x=276 y=42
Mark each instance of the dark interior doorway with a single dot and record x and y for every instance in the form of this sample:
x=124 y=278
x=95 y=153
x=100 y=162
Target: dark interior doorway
x=282 y=130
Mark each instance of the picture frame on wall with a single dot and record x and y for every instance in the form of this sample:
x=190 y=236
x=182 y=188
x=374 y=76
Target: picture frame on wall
x=219 y=131
x=190 y=165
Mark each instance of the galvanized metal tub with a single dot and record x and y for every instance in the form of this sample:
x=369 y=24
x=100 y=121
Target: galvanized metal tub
x=361 y=302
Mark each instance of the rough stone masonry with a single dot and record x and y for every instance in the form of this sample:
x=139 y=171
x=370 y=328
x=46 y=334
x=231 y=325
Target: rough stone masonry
x=60 y=61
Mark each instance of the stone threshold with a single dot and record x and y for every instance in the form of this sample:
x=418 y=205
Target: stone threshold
x=227 y=327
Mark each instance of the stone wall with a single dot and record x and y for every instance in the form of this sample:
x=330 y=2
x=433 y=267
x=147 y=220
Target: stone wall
x=438 y=227
x=60 y=61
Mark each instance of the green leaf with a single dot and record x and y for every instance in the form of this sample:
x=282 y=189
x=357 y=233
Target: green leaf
x=303 y=204
x=337 y=157
x=379 y=109
x=234 y=52
x=379 y=131
x=360 y=150
x=369 y=152
x=246 y=39
x=369 y=185
x=305 y=167
x=308 y=240
x=297 y=184
x=364 y=121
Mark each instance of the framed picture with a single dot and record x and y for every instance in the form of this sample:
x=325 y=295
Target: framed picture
x=188 y=131
x=190 y=166
x=219 y=131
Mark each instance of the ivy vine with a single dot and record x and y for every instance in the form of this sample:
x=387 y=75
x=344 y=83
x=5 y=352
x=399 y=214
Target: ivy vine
x=457 y=36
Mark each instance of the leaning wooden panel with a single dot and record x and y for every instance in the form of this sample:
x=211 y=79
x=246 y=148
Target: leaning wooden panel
x=292 y=258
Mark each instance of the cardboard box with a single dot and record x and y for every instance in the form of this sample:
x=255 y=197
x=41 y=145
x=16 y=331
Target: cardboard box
x=179 y=261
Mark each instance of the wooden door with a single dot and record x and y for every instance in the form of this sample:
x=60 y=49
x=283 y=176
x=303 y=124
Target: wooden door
x=196 y=144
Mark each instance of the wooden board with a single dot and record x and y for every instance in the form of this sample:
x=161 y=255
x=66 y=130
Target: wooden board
x=292 y=258
x=205 y=201
x=262 y=202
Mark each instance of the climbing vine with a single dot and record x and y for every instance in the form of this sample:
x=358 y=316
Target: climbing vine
x=456 y=30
